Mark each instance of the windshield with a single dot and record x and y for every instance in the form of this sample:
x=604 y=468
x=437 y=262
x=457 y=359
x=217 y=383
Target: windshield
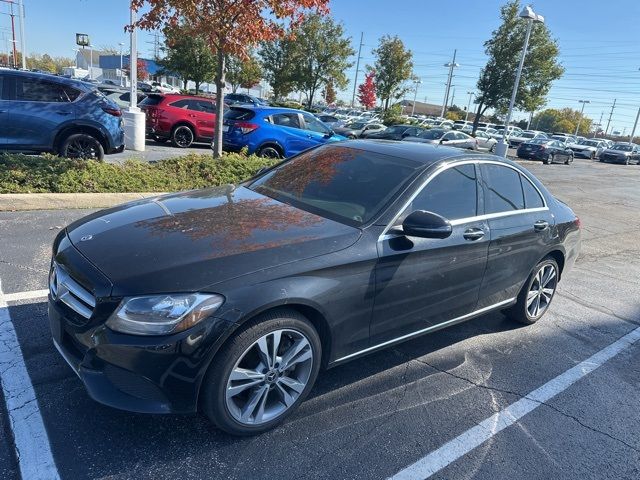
x=355 y=126
x=589 y=143
x=432 y=134
x=539 y=141
x=560 y=139
x=623 y=147
x=528 y=135
x=345 y=184
x=396 y=129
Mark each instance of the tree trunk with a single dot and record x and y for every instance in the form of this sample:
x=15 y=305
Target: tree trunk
x=217 y=137
x=184 y=84
x=234 y=88
x=386 y=104
x=479 y=113
x=197 y=87
x=310 y=102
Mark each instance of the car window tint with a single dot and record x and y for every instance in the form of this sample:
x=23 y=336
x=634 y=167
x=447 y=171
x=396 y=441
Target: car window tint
x=207 y=107
x=182 y=104
x=532 y=198
x=33 y=90
x=315 y=125
x=287 y=120
x=503 y=190
x=449 y=136
x=1 y=82
x=452 y=194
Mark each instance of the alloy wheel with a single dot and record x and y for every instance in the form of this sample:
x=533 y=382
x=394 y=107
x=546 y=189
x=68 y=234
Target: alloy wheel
x=82 y=148
x=269 y=152
x=269 y=377
x=183 y=136
x=541 y=291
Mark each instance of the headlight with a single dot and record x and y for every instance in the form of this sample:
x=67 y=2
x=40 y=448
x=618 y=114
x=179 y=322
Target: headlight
x=163 y=314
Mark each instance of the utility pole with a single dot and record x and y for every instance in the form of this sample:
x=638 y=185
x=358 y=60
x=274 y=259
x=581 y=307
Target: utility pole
x=451 y=66
x=583 y=102
x=13 y=35
x=600 y=122
x=466 y=117
x=606 y=130
x=453 y=96
x=633 y=132
x=23 y=42
x=355 y=80
x=415 y=95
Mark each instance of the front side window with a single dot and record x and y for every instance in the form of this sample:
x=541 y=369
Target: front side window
x=315 y=125
x=502 y=189
x=345 y=184
x=452 y=194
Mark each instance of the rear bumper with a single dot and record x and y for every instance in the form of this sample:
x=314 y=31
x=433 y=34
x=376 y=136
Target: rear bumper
x=530 y=155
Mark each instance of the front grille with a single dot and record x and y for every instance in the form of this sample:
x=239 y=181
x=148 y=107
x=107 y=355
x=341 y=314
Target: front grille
x=66 y=290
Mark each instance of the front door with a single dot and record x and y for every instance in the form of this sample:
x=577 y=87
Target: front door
x=521 y=227
x=422 y=282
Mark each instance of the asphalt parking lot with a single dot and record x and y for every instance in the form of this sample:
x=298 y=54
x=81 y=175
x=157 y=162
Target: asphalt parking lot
x=375 y=417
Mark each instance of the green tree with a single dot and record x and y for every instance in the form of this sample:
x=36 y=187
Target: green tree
x=243 y=73
x=47 y=63
x=320 y=53
x=393 y=67
x=188 y=55
x=540 y=68
x=277 y=66
x=562 y=120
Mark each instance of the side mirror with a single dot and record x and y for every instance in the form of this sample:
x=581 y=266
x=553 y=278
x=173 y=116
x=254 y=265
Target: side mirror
x=426 y=225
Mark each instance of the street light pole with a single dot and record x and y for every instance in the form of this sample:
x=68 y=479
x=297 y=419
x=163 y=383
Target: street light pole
x=531 y=16
x=23 y=42
x=466 y=117
x=415 y=95
x=451 y=66
x=583 y=102
x=635 y=124
x=90 y=62
x=355 y=80
x=121 y=78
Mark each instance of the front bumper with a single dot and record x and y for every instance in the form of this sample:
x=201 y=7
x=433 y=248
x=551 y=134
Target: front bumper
x=159 y=374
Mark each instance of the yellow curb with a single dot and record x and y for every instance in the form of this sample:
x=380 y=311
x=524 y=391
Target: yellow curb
x=11 y=202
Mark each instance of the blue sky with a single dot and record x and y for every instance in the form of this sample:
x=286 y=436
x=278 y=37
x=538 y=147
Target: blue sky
x=599 y=42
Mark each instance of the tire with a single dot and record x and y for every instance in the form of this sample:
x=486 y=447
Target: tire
x=82 y=146
x=182 y=136
x=492 y=149
x=263 y=400
x=593 y=156
x=626 y=161
x=524 y=311
x=569 y=160
x=269 y=151
x=548 y=160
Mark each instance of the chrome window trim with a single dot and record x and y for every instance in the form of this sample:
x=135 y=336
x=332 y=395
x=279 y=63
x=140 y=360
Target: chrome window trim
x=428 y=329
x=460 y=221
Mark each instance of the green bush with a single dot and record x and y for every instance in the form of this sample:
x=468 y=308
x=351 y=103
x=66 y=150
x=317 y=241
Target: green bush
x=47 y=173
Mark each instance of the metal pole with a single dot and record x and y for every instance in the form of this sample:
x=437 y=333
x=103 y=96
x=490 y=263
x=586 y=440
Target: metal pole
x=23 y=42
x=415 y=95
x=501 y=147
x=466 y=117
x=13 y=35
x=599 y=122
x=355 y=80
x=133 y=64
x=446 y=93
x=635 y=124
x=583 y=102
x=606 y=130
x=90 y=62
x=121 y=45
x=530 y=120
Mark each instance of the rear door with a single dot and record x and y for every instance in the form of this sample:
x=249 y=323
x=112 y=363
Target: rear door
x=39 y=109
x=205 y=116
x=5 y=105
x=521 y=227
x=293 y=137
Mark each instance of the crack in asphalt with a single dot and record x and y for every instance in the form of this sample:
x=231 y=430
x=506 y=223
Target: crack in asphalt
x=521 y=396
x=595 y=306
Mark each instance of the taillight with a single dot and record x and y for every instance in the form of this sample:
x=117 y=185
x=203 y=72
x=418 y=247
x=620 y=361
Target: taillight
x=116 y=112
x=246 y=127
x=578 y=222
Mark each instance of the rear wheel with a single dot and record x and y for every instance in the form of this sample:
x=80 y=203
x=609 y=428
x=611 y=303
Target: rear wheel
x=569 y=160
x=492 y=149
x=82 y=146
x=262 y=374
x=182 y=136
x=548 y=159
x=269 y=151
x=536 y=294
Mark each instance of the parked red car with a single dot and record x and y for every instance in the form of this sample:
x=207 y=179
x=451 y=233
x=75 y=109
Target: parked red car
x=183 y=119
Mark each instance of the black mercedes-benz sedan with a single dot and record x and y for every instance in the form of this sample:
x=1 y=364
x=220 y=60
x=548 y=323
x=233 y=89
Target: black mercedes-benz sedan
x=229 y=301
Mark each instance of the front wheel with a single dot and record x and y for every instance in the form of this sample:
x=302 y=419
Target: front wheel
x=262 y=374
x=536 y=294
x=548 y=159
x=569 y=160
x=492 y=149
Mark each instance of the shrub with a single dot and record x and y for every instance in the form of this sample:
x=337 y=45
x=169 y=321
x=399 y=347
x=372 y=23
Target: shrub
x=47 y=173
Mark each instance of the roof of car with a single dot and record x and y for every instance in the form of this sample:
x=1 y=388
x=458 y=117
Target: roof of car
x=420 y=152
x=266 y=108
x=74 y=82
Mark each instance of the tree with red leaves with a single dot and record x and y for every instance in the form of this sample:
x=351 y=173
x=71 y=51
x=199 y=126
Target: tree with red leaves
x=367 y=91
x=230 y=27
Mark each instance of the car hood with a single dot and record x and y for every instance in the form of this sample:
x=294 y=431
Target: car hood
x=345 y=131
x=621 y=153
x=191 y=241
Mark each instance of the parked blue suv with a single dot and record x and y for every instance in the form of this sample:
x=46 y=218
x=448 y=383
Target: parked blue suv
x=273 y=132
x=46 y=113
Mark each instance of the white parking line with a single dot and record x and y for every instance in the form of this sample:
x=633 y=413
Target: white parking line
x=29 y=435
x=476 y=436
x=31 y=295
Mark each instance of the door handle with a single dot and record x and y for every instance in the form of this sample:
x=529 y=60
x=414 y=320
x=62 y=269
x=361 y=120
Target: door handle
x=540 y=225
x=473 y=234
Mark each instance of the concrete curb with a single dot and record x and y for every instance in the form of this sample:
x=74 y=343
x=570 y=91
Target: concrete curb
x=11 y=202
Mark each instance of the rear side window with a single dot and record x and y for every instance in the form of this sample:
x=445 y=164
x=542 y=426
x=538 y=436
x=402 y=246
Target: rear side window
x=503 y=189
x=452 y=194
x=532 y=198
x=241 y=114
x=181 y=104
x=151 y=100
x=33 y=90
x=287 y=120
x=202 y=106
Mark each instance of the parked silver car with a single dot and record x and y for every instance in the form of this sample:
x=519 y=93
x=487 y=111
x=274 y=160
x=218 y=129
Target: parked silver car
x=588 y=148
x=450 y=138
x=485 y=140
x=516 y=139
